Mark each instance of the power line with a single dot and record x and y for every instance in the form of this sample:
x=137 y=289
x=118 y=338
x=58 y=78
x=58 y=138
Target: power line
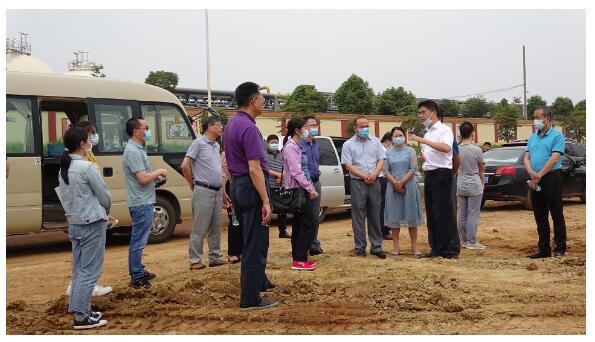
x=486 y=92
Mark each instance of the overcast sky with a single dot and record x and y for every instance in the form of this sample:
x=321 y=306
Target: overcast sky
x=435 y=54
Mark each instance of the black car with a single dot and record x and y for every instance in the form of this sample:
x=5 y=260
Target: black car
x=571 y=148
x=506 y=177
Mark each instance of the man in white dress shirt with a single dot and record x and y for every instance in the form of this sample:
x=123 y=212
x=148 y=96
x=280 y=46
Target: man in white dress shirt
x=436 y=150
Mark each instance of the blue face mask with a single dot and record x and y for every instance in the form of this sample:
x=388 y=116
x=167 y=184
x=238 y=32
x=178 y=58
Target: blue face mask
x=95 y=139
x=398 y=140
x=305 y=133
x=427 y=123
x=313 y=132
x=274 y=147
x=538 y=124
x=148 y=135
x=363 y=132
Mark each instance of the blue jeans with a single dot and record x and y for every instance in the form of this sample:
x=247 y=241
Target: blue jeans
x=88 y=249
x=142 y=220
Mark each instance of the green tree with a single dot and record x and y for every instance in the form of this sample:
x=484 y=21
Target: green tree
x=532 y=103
x=354 y=96
x=506 y=116
x=476 y=107
x=449 y=107
x=394 y=101
x=97 y=70
x=163 y=79
x=581 y=106
x=561 y=107
x=575 y=125
x=305 y=100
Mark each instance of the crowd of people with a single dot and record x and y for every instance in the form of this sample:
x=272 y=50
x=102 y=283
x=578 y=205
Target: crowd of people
x=242 y=175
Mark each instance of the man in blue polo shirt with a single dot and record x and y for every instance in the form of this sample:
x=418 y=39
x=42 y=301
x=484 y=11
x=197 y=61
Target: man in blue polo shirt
x=312 y=150
x=543 y=164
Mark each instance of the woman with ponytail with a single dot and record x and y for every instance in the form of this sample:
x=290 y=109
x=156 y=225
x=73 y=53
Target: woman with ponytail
x=304 y=224
x=86 y=201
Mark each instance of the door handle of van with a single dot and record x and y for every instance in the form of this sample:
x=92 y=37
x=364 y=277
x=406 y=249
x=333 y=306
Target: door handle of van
x=337 y=172
x=108 y=172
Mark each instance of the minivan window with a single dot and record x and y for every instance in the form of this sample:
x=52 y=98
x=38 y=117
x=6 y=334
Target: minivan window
x=111 y=126
x=327 y=153
x=19 y=126
x=170 y=131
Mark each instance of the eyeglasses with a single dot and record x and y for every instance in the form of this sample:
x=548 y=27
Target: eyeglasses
x=146 y=128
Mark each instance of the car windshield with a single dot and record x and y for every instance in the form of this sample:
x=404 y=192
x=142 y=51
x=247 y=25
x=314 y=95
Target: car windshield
x=503 y=156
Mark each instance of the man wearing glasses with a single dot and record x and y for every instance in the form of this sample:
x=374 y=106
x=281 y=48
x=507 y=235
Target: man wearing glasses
x=436 y=148
x=140 y=194
x=312 y=150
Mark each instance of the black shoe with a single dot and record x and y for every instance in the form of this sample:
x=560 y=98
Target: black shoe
x=452 y=256
x=315 y=251
x=149 y=276
x=283 y=234
x=559 y=253
x=89 y=323
x=380 y=255
x=95 y=314
x=268 y=287
x=360 y=254
x=388 y=237
x=264 y=304
x=141 y=283
x=429 y=256
x=539 y=255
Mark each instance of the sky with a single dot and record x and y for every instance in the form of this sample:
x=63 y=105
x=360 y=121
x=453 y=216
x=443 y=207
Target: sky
x=432 y=53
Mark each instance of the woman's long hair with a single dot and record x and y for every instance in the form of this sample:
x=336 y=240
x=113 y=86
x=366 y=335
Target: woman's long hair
x=293 y=126
x=72 y=141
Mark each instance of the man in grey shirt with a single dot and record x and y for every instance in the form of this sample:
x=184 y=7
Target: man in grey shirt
x=140 y=193
x=203 y=172
x=364 y=157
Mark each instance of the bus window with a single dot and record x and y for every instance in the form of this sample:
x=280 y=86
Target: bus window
x=111 y=126
x=172 y=132
x=19 y=126
x=150 y=115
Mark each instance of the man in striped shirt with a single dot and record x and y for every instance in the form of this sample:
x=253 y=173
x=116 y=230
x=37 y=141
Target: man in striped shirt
x=275 y=159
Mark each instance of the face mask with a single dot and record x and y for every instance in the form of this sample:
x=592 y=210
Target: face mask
x=95 y=139
x=148 y=135
x=398 y=140
x=538 y=124
x=274 y=147
x=363 y=132
x=313 y=132
x=427 y=123
x=305 y=133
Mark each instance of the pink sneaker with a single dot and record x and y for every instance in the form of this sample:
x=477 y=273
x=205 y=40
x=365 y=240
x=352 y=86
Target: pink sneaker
x=311 y=263
x=302 y=266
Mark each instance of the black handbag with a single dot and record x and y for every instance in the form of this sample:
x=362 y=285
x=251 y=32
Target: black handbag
x=287 y=201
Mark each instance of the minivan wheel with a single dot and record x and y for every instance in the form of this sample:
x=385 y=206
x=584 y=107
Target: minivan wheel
x=322 y=214
x=583 y=198
x=164 y=221
x=527 y=202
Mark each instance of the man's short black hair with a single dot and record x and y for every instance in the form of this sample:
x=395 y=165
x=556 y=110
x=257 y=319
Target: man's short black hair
x=430 y=105
x=547 y=112
x=209 y=121
x=386 y=137
x=465 y=129
x=487 y=143
x=272 y=137
x=245 y=92
x=311 y=117
x=86 y=125
x=358 y=118
x=132 y=124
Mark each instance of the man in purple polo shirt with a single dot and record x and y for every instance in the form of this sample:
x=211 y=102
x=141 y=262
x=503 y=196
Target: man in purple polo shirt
x=248 y=166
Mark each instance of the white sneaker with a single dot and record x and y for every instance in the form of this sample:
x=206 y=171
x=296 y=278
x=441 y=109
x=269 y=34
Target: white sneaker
x=98 y=290
x=476 y=245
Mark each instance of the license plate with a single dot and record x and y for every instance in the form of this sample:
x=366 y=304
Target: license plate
x=486 y=179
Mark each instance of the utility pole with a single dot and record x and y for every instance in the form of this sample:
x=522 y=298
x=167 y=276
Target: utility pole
x=524 y=85
x=208 y=58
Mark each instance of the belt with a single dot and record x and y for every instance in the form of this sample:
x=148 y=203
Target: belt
x=439 y=170
x=314 y=180
x=205 y=185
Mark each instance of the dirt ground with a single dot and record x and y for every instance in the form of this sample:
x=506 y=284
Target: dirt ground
x=496 y=291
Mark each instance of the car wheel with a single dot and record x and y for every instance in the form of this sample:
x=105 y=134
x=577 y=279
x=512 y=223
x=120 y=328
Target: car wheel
x=483 y=202
x=322 y=214
x=583 y=198
x=164 y=221
x=527 y=203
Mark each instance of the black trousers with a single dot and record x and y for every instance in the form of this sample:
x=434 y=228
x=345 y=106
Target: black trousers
x=303 y=231
x=235 y=240
x=248 y=206
x=383 y=187
x=443 y=235
x=549 y=200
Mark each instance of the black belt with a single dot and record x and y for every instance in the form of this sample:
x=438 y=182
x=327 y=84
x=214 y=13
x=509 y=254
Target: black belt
x=314 y=180
x=205 y=185
x=440 y=170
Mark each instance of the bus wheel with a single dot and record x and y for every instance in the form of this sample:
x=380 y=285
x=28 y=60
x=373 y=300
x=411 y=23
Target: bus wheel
x=322 y=214
x=164 y=221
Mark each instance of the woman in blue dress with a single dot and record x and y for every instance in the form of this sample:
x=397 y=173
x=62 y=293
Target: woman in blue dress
x=403 y=203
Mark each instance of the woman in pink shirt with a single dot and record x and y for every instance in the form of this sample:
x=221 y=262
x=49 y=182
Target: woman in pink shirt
x=303 y=228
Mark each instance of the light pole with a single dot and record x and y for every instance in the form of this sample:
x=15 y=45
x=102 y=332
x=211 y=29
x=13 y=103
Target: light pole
x=208 y=58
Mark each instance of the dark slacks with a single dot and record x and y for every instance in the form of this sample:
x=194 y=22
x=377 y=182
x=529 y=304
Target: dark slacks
x=383 y=186
x=303 y=231
x=549 y=201
x=443 y=235
x=248 y=206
